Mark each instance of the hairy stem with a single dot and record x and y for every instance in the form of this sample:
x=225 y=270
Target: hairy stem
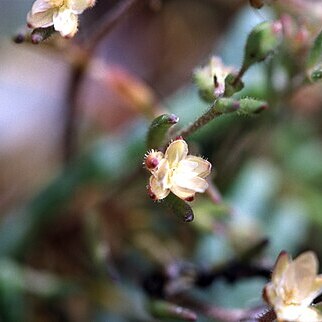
x=199 y=123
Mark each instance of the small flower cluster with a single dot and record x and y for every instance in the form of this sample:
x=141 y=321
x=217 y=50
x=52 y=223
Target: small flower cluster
x=176 y=171
x=62 y=14
x=294 y=286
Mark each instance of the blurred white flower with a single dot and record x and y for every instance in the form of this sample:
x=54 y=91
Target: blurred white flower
x=294 y=286
x=211 y=78
x=62 y=14
x=176 y=171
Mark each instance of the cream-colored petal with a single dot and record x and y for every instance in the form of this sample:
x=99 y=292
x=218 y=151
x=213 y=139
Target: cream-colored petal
x=182 y=193
x=78 y=6
x=199 y=166
x=301 y=276
x=189 y=181
x=309 y=314
x=282 y=262
x=41 y=19
x=289 y=313
x=41 y=6
x=297 y=313
x=176 y=152
x=316 y=287
x=269 y=294
x=163 y=174
x=157 y=189
x=66 y=22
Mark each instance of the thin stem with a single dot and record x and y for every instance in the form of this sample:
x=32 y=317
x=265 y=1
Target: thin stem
x=105 y=26
x=108 y=22
x=213 y=193
x=71 y=122
x=239 y=75
x=200 y=122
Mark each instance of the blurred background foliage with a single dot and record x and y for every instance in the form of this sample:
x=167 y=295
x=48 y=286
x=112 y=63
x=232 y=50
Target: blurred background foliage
x=79 y=238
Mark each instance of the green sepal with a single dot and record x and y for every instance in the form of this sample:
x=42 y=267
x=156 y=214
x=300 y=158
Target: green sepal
x=38 y=35
x=315 y=54
x=179 y=207
x=245 y=106
x=231 y=86
x=250 y=106
x=158 y=130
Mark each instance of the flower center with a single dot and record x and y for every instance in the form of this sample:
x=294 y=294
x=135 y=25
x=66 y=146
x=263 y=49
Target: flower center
x=57 y=3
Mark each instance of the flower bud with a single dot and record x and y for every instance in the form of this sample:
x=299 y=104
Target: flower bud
x=159 y=128
x=262 y=42
x=244 y=106
x=38 y=35
x=314 y=61
x=152 y=159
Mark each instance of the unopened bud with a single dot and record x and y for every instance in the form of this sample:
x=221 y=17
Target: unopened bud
x=159 y=128
x=152 y=159
x=262 y=42
x=244 y=106
x=151 y=194
x=314 y=61
x=19 y=38
x=38 y=35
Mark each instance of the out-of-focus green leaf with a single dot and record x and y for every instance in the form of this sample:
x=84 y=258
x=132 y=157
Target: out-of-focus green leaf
x=104 y=165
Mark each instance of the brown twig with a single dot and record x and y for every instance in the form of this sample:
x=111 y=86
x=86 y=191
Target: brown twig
x=105 y=26
x=108 y=22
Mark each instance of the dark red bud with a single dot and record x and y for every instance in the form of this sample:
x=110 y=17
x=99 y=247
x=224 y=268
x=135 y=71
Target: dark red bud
x=151 y=162
x=262 y=108
x=19 y=38
x=189 y=199
x=151 y=194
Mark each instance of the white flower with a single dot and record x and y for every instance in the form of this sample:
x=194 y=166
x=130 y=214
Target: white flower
x=62 y=14
x=176 y=171
x=295 y=284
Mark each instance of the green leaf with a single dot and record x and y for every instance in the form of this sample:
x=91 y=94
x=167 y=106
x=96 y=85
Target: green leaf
x=105 y=164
